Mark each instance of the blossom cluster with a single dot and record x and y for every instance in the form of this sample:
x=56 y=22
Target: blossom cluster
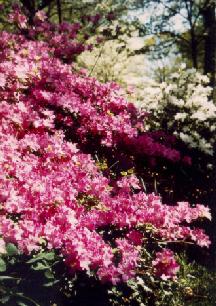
x=98 y=110
x=165 y=264
x=183 y=106
x=81 y=104
x=52 y=194
x=62 y=38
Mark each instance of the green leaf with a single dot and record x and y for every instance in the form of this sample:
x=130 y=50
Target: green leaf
x=146 y=288
x=11 y=249
x=49 y=256
x=5 y=299
x=40 y=266
x=22 y=304
x=33 y=260
x=4 y=277
x=2 y=265
x=49 y=274
x=22 y=296
x=49 y=284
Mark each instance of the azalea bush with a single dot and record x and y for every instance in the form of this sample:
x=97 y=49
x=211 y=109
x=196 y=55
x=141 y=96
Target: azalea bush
x=58 y=207
x=195 y=286
x=182 y=106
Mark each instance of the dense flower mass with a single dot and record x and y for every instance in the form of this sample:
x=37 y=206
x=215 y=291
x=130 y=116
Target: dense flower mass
x=52 y=195
x=165 y=264
x=183 y=106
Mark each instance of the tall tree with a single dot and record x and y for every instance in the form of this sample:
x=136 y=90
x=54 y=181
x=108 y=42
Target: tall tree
x=195 y=35
x=209 y=21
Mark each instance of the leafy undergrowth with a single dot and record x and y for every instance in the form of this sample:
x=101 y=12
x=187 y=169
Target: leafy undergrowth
x=43 y=280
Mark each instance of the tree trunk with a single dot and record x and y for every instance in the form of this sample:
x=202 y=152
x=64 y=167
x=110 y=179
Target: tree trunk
x=194 y=51
x=212 y=204
x=58 y=2
x=209 y=21
x=29 y=5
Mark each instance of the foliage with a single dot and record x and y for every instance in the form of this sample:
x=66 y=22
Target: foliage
x=177 y=22
x=42 y=279
x=57 y=205
x=97 y=62
x=195 y=286
x=182 y=106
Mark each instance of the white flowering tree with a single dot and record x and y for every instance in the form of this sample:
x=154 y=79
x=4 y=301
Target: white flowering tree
x=108 y=62
x=182 y=106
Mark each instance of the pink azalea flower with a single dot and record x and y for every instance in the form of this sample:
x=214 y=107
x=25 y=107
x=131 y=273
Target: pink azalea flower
x=165 y=264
